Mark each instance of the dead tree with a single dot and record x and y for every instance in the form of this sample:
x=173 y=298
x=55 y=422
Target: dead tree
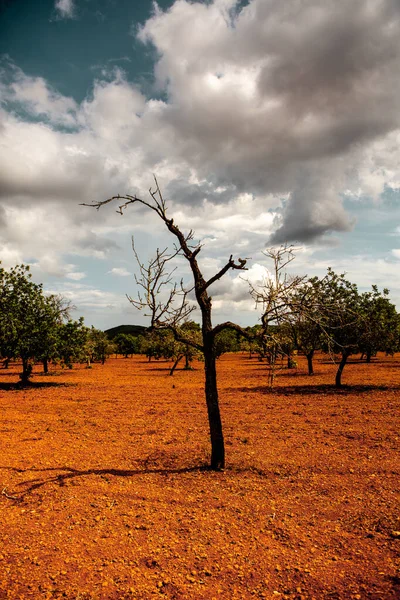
x=170 y=311
x=280 y=298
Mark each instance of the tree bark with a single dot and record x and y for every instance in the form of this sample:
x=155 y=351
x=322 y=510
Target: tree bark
x=369 y=354
x=45 y=366
x=310 y=365
x=214 y=416
x=175 y=364
x=338 y=379
x=187 y=362
x=26 y=371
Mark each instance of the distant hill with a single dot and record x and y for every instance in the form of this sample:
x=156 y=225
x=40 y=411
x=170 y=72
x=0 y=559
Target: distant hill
x=130 y=329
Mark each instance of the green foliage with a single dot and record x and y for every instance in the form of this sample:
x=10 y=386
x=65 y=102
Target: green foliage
x=227 y=340
x=336 y=307
x=98 y=346
x=381 y=323
x=134 y=330
x=350 y=322
x=162 y=343
x=28 y=319
x=127 y=344
x=72 y=337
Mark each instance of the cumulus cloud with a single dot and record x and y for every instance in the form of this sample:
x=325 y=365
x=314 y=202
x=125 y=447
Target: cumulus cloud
x=276 y=96
x=35 y=96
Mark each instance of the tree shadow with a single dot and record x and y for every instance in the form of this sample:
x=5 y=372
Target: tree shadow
x=32 y=385
x=293 y=373
x=322 y=389
x=8 y=373
x=18 y=495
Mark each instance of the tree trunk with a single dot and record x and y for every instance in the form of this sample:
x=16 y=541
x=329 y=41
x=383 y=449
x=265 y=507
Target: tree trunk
x=45 y=366
x=310 y=356
x=6 y=363
x=187 y=362
x=338 y=379
x=369 y=354
x=26 y=371
x=175 y=364
x=214 y=416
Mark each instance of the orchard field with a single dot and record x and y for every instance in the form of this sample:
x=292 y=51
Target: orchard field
x=105 y=494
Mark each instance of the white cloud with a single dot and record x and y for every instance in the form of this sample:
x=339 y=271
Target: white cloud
x=281 y=97
x=38 y=98
x=396 y=252
x=120 y=272
x=76 y=275
x=65 y=9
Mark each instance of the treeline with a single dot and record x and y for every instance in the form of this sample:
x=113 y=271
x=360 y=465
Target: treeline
x=35 y=327
x=299 y=315
x=162 y=344
x=328 y=314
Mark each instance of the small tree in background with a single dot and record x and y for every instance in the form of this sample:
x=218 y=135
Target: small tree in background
x=98 y=346
x=227 y=341
x=28 y=319
x=306 y=324
x=127 y=344
x=380 y=323
x=72 y=338
x=338 y=305
x=181 y=350
x=280 y=299
x=57 y=311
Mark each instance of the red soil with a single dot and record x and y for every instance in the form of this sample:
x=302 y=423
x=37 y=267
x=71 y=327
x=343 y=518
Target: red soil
x=104 y=495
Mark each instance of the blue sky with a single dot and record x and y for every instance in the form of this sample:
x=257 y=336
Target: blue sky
x=264 y=122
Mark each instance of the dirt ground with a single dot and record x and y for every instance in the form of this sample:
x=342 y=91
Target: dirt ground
x=104 y=494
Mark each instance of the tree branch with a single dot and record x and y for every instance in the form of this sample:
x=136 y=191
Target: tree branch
x=229 y=265
x=229 y=325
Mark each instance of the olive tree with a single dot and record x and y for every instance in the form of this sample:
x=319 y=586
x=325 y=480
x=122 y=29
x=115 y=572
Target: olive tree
x=381 y=323
x=171 y=309
x=28 y=319
x=340 y=317
x=71 y=343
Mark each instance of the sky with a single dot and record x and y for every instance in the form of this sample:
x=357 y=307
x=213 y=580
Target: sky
x=264 y=122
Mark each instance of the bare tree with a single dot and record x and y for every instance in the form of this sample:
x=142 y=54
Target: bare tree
x=280 y=298
x=170 y=311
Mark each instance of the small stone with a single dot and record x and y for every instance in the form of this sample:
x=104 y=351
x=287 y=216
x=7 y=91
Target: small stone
x=395 y=534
